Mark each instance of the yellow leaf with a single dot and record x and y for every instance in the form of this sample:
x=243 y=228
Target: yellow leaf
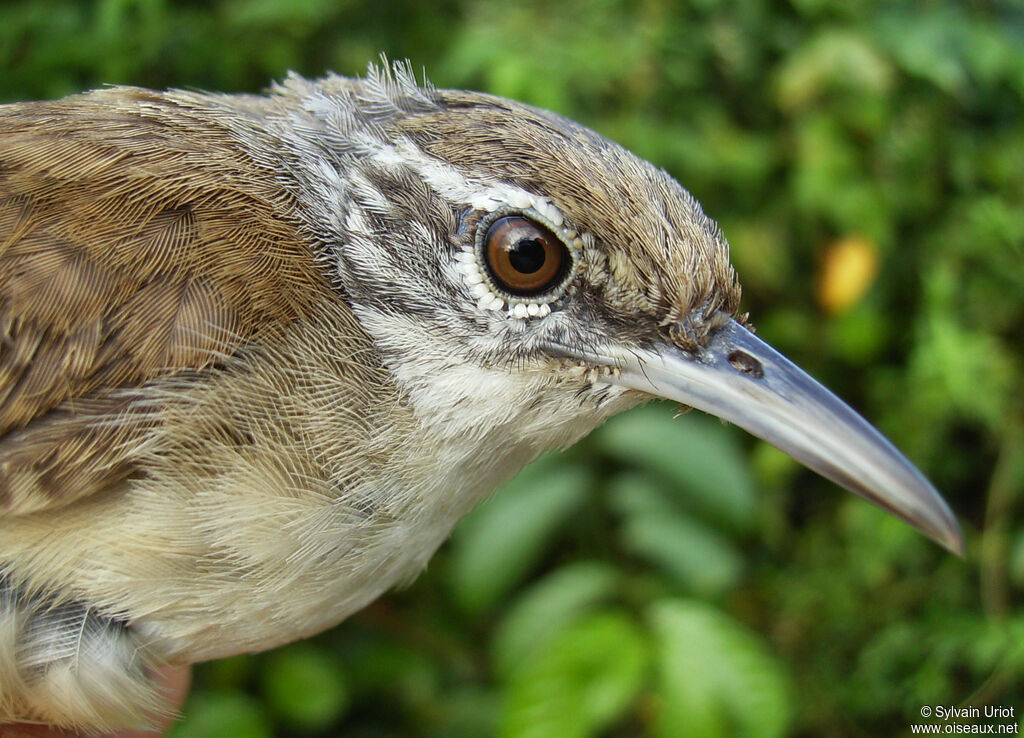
x=846 y=273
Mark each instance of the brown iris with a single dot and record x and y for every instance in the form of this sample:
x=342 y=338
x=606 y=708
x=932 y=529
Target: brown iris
x=523 y=257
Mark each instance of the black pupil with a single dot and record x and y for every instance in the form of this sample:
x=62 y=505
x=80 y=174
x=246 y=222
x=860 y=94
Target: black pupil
x=526 y=256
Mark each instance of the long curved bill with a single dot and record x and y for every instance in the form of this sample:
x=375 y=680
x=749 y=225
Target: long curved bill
x=742 y=379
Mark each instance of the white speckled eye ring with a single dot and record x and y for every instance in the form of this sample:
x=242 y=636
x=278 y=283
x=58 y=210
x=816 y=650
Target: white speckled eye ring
x=473 y=264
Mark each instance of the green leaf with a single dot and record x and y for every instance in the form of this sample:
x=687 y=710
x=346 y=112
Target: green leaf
x=833 y=59
x=584 y=681
x=218 y=714
x=655 y=528
x=1016 y=561
x=632 y=493
x=305 y=686
x=858 y=335
x=965 y=368
x=559 y=599
x=496 y=546
x=715 y=678
x=929 y=45
x=830 y=179
x=392 y=667
x=695 y=452
x=686 y=549
x=279 y=14
x=230 y=673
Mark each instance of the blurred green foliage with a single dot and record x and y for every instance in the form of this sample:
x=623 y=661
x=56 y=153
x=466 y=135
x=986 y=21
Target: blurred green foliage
x=672 y=577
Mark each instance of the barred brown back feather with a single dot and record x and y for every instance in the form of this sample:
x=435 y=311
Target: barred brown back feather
x=127 y=252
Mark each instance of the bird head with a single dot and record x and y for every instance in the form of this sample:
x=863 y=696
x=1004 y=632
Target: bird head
x=503 y=257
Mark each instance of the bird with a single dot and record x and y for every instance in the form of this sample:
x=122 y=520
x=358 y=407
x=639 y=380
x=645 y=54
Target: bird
x=259 y=353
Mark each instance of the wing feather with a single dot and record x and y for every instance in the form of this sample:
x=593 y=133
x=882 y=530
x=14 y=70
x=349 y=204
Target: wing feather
x=137 y=240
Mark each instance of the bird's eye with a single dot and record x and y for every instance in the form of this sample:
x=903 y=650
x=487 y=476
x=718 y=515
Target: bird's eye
x=523 y=257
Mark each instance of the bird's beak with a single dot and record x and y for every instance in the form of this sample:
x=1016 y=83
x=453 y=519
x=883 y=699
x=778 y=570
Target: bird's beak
x=742 y=379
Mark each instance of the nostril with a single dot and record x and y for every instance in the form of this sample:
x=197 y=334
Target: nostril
x=744 y=362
